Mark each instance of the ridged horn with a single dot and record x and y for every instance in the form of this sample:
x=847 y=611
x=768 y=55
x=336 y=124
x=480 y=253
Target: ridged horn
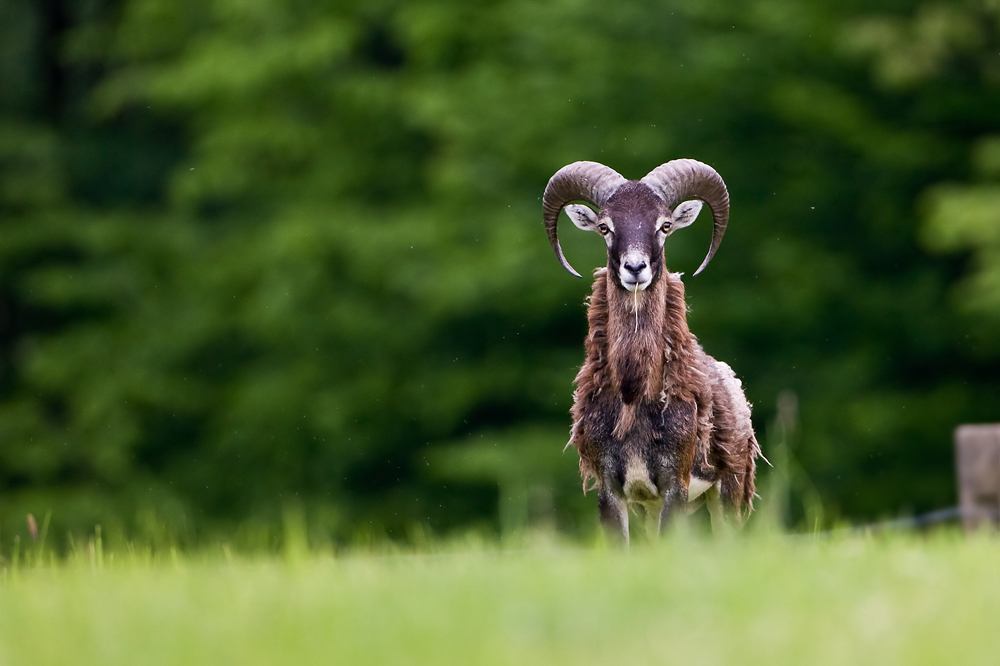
x=586 y=181
x=678 y=180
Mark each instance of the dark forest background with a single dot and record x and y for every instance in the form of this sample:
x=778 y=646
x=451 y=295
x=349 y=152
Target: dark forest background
x=268 y=254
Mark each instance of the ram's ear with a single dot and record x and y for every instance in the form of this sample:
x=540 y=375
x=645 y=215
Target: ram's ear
x=685 y=213
x=582 y=216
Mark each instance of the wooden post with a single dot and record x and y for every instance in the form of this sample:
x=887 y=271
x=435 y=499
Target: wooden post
x=977 y=461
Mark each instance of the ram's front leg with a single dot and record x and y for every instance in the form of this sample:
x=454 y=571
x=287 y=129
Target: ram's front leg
x=679 y=435
x=673 y=501
x=614 y=514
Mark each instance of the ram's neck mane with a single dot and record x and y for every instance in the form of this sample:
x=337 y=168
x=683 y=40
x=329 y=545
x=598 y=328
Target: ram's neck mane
x=641 y=357
x=668 y=358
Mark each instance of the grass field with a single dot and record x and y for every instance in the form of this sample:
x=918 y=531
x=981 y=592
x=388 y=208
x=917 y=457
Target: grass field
x=689 y=600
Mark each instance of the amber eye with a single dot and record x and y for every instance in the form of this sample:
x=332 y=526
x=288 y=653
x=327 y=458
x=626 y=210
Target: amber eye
x=603 y=228
x=666 y=226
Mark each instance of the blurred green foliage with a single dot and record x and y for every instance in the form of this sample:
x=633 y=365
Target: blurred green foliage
x=267 y=253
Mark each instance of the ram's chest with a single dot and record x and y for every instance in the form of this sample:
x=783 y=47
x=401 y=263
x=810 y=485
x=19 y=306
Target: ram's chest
x=642 y=425
x=608 y=420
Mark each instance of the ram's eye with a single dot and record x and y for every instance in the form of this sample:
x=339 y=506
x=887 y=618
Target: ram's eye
x=666 y=226
x=603 y=228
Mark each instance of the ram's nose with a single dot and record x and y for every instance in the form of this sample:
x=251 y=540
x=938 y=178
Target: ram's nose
x=636 y=267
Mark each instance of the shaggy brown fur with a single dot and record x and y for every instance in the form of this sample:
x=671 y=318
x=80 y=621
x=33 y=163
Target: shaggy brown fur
x=651 y=407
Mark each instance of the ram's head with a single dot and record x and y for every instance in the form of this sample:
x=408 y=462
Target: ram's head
x=635 y=217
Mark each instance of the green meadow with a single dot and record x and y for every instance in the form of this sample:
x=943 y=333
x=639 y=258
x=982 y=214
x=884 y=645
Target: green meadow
x=751 y=599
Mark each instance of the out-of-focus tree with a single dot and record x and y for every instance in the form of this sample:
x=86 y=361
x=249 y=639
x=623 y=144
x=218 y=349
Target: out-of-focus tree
x=939 y=45
x=275 y=252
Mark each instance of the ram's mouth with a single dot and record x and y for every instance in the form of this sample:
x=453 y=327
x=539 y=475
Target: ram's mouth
x=635 y=286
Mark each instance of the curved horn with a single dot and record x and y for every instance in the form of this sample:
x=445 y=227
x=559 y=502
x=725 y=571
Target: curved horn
x=587 y=181
x=678 y=180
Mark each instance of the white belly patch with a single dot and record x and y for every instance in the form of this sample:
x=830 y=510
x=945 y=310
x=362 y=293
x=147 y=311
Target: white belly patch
x=697 y=486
